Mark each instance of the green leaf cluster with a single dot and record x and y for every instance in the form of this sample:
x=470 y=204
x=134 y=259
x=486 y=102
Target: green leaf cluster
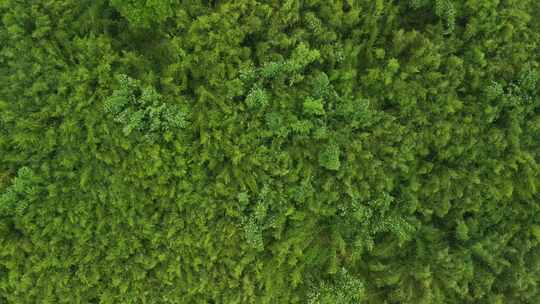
x=142 y=109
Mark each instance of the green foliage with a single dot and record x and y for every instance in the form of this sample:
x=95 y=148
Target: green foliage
x=249 y=151
x=23 y=191
x=329 y=157
x=253 y=233
x=344 y=289
x=142 y=109
x=444 y=9
x=314 y=107
x=144 y=13
x=257 y=97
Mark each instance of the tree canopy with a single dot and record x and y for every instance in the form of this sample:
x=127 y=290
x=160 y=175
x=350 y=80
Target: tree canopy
x=265 y=151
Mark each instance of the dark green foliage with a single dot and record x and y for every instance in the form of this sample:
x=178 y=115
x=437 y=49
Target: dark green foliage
x=260 y=151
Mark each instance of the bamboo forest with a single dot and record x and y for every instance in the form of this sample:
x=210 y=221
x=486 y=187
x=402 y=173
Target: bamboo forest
x=270 y=151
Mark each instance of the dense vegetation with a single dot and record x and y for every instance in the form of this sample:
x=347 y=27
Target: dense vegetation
x=268 y=151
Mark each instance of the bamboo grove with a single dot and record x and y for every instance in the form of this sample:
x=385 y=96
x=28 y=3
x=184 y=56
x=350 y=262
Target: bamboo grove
x=265 y=151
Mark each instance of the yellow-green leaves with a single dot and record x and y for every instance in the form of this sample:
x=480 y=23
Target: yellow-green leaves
x=313 y=106
x=294 y=151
